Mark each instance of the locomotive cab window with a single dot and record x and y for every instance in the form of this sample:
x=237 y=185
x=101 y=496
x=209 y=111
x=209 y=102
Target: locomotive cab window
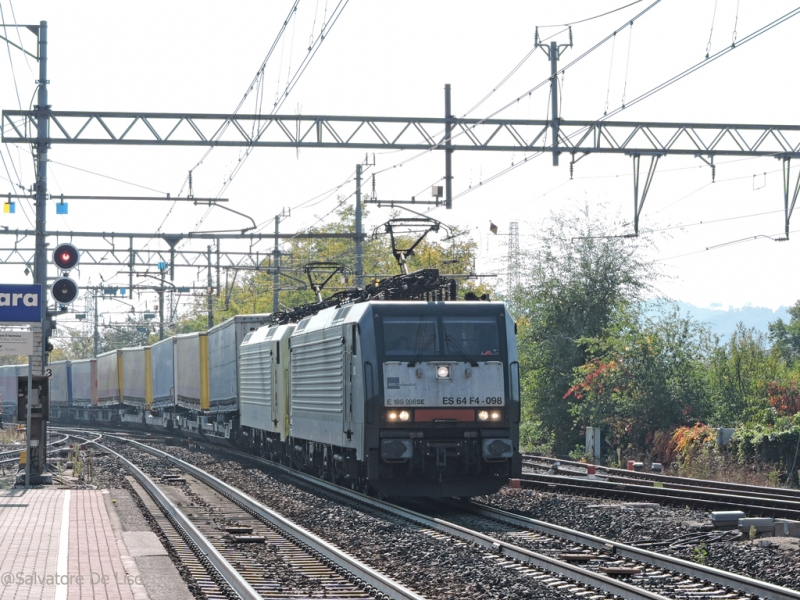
x=404 y=336
x=475 y=337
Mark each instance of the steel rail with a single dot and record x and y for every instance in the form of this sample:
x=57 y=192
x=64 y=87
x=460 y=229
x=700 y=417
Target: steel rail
x=664 y=495
x=228 y=573
x=589 y=578
x=12 y=452
x=365 y=573
x=644 y=476
x=717 y=576
x=563 y=569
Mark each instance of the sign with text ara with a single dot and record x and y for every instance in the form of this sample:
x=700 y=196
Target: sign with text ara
x=20 y=303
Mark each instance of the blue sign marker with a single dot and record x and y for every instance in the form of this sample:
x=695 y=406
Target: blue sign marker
x=20 y=303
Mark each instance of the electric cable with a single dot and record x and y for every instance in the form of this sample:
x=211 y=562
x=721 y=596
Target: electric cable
x=10 y=60
x=711 y=33
x=325 y=29
x=594 y=17
x=528 y=93
x=659 y=87
x=726 y=244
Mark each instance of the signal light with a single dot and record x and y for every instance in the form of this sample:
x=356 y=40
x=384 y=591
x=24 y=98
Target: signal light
x=66 y=256
x=64 y=290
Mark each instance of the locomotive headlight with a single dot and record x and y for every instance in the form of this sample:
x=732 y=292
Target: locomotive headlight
x=404 y=415
x=443 y=372
x=392 y=416
x=496 y=414
x=483 y=415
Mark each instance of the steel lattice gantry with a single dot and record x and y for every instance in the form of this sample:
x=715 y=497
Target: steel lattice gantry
x=404 y=133
x=575 y=137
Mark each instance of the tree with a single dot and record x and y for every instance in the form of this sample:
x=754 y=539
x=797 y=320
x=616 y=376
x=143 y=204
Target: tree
x=646 y=374
x=253 y=292
x=574 y=284
x=80 y=345
x=739 y=373
x=785 y=337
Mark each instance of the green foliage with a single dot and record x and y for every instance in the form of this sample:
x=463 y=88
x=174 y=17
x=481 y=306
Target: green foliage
x=643 y=375
x=739 y=372
x=79 y=345
x=785 y=337
x=252 y=292
x=700 y=554
x=574 y=285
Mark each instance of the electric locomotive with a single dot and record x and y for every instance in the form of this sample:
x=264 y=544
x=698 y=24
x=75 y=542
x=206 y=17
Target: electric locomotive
x=396 y=388
x=405 y=398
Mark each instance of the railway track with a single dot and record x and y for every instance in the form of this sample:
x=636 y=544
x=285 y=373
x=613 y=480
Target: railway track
x=12 y=456
x=570 y=560
x=240 y=556
x=665 y=489
x=564 y=559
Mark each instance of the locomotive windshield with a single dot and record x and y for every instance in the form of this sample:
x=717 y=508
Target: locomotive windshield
x=410 y=336
x=456 y=337
x=473 y=336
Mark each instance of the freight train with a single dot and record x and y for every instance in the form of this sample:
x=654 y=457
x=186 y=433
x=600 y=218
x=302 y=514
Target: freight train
x=396 y=389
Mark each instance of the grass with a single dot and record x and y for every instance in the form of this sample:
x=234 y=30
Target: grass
x=720 y=466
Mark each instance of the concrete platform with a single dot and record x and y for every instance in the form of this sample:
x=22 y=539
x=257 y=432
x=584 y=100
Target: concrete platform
x=70 y=544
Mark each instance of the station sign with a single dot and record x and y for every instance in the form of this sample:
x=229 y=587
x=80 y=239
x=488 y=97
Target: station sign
x=16 y=343
x=20 y=303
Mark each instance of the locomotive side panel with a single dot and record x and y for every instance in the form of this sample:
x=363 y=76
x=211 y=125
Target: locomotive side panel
x=318 y=386
x=282 y=379
x=255 y=373
x=163 y=365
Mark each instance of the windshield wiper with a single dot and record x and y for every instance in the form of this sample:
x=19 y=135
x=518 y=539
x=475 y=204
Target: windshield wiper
x=421 y=351
x=449 y=340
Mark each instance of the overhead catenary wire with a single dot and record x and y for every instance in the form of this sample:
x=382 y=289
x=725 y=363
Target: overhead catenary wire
x=324 y=31
x=531 y=90
x=657 y=88
x=609 y=12
x=10 y=60
x=711 y=33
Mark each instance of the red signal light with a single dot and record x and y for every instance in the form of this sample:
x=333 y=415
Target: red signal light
x=66 y=257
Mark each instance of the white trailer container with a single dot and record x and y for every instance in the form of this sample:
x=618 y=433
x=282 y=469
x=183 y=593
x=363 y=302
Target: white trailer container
x=162 y=361
x=224 y=342
x=60 y=384
x=137 y=377
x=109 y=378
x=84 y=383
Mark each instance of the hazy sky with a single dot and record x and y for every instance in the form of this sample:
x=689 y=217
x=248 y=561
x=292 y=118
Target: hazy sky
x=393 y=57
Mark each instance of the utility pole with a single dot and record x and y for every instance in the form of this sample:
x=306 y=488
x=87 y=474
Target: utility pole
x=42 y=141
x=553 y=52
x=448 y=152
x=512 y=277
x=161 y=309
x=210 y=295
x=359 y=241
x=96 y=324
x=276 y=265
